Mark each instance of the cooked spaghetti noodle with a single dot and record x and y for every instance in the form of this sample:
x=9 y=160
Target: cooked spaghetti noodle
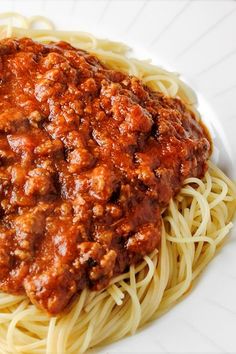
x=195 y=225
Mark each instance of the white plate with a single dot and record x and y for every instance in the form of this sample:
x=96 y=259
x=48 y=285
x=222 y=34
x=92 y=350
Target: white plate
x=197 y=39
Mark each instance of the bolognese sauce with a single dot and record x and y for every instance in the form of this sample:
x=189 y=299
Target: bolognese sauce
x=88 y=158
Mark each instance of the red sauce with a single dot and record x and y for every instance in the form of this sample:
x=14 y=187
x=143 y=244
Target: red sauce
x=88 y=157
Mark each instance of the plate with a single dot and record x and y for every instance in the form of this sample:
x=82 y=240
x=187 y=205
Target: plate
x=197 y=39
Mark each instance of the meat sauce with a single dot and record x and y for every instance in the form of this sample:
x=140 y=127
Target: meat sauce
x=88 y=158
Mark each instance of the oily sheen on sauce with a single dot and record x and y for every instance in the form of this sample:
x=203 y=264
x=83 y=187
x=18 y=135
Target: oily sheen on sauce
x=89 y=157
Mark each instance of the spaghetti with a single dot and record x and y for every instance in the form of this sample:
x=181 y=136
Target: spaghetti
x=194 y=227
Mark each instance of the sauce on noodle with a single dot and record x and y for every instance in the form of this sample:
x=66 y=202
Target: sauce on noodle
x=89 y=156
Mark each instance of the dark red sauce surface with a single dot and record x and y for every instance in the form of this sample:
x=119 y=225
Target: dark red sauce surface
x=88 y=158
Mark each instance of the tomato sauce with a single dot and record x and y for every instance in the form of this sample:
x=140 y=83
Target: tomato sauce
x=88 y=158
